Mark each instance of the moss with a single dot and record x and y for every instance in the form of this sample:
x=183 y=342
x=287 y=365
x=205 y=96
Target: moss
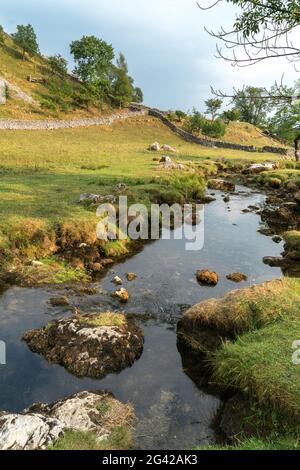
x=104 y=319
x=292 y=239
x=103 y=406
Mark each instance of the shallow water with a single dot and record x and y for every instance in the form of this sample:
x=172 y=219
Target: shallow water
x=174 y=411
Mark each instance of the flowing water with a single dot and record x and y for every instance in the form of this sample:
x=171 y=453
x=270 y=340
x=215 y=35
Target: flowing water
x=175 y=409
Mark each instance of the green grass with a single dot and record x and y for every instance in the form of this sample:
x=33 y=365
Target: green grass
x=120 y=439
x=292 y=240
x=105 y=319
x=259 y=363
x=281 y=177
x=43 y=173
x=254 y=443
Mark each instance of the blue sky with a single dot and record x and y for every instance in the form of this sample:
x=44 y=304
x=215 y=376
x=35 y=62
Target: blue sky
x=168 y=52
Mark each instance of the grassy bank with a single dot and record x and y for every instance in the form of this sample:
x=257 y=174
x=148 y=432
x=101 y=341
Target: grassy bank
x=260 y=363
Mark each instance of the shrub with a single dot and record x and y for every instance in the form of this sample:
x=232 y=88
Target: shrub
x=195 y=122
x=48 y=104
x=215 y=128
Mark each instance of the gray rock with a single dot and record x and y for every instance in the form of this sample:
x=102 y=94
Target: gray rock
x=28 y=432
x=42 y=424
x=256 y=168
x=155 y=147
x=168 y=148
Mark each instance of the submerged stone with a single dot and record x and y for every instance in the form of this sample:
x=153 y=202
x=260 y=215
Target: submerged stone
x=237 y=277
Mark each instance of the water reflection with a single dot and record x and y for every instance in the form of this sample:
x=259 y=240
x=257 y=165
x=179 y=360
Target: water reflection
x=175 y=409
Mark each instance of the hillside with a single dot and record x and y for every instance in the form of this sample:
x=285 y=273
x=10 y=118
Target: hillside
x=248 y=134
x=56 y=97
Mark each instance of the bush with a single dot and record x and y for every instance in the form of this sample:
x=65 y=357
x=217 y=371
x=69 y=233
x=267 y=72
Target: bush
x=215 y=128
x=180 y=114
x=191 y=186
x=195 y=122
x=48 y=104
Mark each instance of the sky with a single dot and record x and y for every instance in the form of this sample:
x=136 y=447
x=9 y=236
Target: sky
x=169 y=54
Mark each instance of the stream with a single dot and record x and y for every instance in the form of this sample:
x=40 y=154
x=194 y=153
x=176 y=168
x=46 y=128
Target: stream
x=174 y=408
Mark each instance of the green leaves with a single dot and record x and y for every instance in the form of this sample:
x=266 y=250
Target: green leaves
x=93 y=58
x=25 y=38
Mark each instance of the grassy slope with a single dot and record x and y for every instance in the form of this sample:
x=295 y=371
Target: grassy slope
x=247 y=134
x=44 y=172
x=16 y=71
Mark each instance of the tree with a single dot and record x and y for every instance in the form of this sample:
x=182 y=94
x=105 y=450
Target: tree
x=121 y=87
x=253 y=108
x=212 y=107
x=138 y=96
x=233 y=114
x=93 y=58
x=121 y=63
x=1 y=35
x=263 y=29
x=26 y=39
x=58 y=64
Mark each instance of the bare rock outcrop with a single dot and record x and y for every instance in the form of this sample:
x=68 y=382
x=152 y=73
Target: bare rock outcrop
x=42 y=425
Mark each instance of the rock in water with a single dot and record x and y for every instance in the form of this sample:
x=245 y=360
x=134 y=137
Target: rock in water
x=117 y=280
x=62 y=301
x=89 y=345
x=237 y=277
x=131 y=276
x=208 y=278
x=122 y=294
x=43 y=424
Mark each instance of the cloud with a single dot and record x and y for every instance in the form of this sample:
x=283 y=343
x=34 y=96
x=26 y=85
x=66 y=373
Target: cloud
x=169 y=54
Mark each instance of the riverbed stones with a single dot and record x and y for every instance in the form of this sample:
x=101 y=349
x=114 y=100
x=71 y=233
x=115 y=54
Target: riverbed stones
x=117 y=280
x=122 y=294
x=61 y=301
x=221 y=185
x=43 y=424
x=131 y=276
x=89 y=345
x=207 y=278
x=237 y=277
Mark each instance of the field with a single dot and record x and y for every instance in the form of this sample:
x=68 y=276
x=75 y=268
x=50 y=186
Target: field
x=44 y=172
